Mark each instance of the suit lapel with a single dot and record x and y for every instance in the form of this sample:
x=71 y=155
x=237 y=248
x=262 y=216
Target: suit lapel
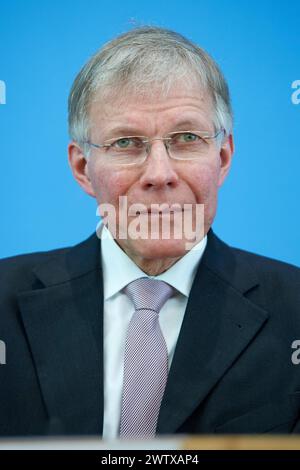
x=63 y=323
x=218 y=325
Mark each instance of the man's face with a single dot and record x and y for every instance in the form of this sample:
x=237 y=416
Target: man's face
x=159 y=179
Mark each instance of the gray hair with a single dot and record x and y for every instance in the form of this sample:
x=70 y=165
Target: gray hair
x=142 y=60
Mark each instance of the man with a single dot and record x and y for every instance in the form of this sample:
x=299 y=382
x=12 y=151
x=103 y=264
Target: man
x=135 y=336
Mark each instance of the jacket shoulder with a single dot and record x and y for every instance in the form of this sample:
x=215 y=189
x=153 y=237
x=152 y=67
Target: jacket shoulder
x=235 y=263
x=280 y=282
x=16 y=271
x=265 y=266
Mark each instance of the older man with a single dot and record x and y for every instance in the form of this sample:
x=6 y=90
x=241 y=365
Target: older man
x=139 y=332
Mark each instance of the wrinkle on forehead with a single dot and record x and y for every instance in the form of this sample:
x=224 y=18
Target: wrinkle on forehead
x=121 y=95
x=183 y=102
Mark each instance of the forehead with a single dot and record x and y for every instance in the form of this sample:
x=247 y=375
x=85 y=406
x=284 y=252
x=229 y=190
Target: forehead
x=185 y=106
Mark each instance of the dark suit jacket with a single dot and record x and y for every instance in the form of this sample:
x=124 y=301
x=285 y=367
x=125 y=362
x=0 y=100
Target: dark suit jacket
x=232 y=370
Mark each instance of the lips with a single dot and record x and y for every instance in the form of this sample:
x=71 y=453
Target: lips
x=164 y=210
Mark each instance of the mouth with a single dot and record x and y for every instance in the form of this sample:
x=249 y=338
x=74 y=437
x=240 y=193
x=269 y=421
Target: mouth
x=163 y=208
x=160 y=211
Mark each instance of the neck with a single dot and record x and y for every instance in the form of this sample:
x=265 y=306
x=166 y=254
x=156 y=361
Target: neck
x=152 y=267
x=156 y=266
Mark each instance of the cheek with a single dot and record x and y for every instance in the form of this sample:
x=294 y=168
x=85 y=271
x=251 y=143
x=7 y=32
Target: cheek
x=108 y=184
x=204 y=183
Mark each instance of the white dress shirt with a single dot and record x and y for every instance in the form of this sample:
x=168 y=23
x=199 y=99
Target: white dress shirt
x=118 y=271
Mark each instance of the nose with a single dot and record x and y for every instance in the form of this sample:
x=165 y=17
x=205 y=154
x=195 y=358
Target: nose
x=159 y=169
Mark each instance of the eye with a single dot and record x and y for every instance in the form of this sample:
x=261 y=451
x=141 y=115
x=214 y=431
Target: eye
x=122 y=143
x=186 y=138
x=127 y=143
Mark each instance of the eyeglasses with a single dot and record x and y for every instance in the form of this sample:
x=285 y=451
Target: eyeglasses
x=183 y=145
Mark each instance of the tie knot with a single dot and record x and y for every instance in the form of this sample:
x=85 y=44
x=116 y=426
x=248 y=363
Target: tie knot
x=147 y=293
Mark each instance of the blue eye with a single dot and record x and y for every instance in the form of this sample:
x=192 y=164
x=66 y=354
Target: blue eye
x=187 y=137
x=128 y=143
x=123 y=143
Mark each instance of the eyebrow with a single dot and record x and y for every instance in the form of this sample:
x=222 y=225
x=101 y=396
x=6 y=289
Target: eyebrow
x=124 y=131
x=190 y=124
x=184 y=125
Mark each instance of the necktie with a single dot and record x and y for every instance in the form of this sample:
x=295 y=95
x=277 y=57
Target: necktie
x=146 y=359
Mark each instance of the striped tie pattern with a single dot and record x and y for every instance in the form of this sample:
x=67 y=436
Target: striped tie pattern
x=146 y=359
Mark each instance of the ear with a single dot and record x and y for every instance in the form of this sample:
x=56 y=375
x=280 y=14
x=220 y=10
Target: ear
x=226 y=153
x=80 y=167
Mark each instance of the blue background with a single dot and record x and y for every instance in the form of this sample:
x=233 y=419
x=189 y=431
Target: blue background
x=43 y=44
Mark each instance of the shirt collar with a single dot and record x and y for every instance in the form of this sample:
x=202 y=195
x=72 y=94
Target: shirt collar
x=119 y=269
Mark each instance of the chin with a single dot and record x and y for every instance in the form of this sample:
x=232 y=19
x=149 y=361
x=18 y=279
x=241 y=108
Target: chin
x=158 y=249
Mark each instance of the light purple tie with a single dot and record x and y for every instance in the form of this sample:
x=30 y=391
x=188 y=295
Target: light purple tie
x=146 y=359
